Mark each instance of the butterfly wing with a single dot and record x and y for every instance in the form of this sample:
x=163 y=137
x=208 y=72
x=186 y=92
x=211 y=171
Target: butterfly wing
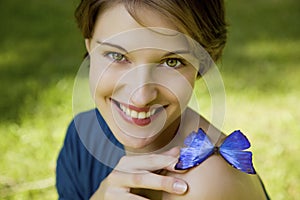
x=198 y=149
x=232 y=151
x=236 y=141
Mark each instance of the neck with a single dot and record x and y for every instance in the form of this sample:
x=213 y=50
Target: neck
x=161 y=141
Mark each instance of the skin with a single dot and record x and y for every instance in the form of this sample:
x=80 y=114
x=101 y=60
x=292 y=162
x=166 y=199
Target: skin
x=142 y=79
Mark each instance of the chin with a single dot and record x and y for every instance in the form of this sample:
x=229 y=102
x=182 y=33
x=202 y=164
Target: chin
x=137 y=144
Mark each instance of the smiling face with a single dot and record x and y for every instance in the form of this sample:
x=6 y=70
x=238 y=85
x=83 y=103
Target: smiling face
x=141 y=78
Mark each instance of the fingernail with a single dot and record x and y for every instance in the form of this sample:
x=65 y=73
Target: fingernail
x=180 y=187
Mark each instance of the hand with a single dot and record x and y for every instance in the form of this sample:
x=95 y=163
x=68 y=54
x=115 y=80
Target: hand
x=137 y=172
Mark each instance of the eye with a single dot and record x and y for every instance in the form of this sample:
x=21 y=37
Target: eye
x=172 y=62
x=116 y=57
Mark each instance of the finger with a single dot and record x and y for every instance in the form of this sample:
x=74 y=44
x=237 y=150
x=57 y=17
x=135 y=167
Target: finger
x=153 y=181
x=171 y=152
x=144 y=163
x=175 y=151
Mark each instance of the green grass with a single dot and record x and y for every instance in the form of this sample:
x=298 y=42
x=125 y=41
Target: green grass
x=41 y=49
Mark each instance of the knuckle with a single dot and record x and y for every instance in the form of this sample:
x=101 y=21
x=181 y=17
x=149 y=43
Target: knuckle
x=137 y=179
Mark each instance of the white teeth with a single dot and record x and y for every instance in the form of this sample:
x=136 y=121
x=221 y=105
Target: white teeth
x=148 y=114
x=127 y=111
x=142 y=115
x=135 y=114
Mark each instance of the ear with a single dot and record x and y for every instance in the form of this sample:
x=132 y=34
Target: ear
x=88 y=44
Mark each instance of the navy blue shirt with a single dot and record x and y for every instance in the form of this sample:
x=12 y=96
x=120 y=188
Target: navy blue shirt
x=89 y=154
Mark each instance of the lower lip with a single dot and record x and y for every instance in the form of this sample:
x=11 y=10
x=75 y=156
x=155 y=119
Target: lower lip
x=139 y=122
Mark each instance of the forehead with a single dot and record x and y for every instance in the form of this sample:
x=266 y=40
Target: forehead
x=115 y=25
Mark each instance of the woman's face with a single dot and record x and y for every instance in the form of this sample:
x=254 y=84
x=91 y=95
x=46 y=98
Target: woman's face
x=141 y=78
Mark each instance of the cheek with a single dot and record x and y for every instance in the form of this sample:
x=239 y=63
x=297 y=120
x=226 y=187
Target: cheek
x=102 y=79
x=179 y=85
x=187 y=86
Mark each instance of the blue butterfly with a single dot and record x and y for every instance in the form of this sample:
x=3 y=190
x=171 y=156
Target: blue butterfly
x=199 y=148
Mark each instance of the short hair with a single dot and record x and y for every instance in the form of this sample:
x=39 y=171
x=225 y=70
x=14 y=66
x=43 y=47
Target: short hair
x=202 y=20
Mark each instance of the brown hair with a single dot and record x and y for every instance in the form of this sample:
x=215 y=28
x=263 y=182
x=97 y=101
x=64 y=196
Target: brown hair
x=202 y=20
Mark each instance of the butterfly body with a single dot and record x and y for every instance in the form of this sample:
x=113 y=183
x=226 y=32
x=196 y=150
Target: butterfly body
x=199 y=148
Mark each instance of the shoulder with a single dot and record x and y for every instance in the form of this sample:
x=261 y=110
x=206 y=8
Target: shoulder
x=86 y=118
x=79 y=170
x=214 y=179
x=81 y=120
x=73 y=146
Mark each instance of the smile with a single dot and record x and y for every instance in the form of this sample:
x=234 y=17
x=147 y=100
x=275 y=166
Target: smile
x=140 y=116
x=135 y=114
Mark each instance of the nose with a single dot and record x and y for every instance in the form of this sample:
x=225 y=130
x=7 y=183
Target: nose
x=144 y=95
x=144 y=89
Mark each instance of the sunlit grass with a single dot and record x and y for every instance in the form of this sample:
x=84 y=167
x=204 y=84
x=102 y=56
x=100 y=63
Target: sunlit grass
x=278 y=50
x=31 y=146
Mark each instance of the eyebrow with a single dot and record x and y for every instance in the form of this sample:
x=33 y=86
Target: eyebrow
x=165 y=55
x=176 y=52
x=112 y=45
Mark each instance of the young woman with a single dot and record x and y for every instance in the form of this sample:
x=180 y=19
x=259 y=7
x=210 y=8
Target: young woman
x=144 y=59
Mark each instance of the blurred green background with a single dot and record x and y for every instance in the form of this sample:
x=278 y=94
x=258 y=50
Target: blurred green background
x=41 y=50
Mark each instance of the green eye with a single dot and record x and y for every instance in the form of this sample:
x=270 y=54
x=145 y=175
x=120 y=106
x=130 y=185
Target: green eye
x=172 y=62
x=116 y=57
